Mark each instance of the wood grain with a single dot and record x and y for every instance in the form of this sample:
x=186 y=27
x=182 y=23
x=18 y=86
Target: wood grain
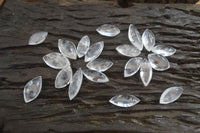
x=174 y=25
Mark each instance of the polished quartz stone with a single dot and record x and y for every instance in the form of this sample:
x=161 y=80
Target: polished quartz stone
x=132 y=66
x=158 y=62
x=128 y=50
x=32 y=89
x=67 y=48
x=56 y=60
x=75 y=84
x=63 y=77
x=135 y=37
x=83 y=46
x=108 y=30
x=146 y=72
x=170 y=95
x=94 y=51
x=124 y=100
x=38 y=38
x=164 y=50
x=95 y=76
x=100 y=64
x=148 y=39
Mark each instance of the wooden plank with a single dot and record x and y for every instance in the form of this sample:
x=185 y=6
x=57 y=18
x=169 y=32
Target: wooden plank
x=90 y=111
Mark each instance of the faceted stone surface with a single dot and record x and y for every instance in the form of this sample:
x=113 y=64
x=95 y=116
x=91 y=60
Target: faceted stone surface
x=95 y=76
x=158 y=62
x=56 y=60
x=108 y=30
x=128 y=50
x=146 y=72
x=75 y=84
x=32 y=89
x=99 y=64
x=135 y=37
x=63 y=77
x=67 y=48
x=94 y=51
x=170 y=95
x=83 y=46
x=164 y=50
x=148 y=39
x=124 y=100
x=132 y=66
x=38 y=38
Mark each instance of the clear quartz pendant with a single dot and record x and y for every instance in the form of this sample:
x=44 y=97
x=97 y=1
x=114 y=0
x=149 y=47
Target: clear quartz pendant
x=38 y=38
x=95 y=76
x=108 y=30
x=158 y=62
x=83 y=46
x=67 y=48
x=63 y=77
x=135 y=37
x=75 y=84
x=146 y=72
x=56 y=60
x=164 y=50
x=94 y=51
x=148 y=39
x=128 y=50
x=132 y=66
x=170 y=95
x=124 y=100
x=99 y=64
x=32 y=89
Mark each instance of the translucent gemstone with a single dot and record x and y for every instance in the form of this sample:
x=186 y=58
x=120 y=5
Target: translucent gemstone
x=128 y=50
x=158 y=62
x=75 y=84
x=164 y=50
x=67 y=48
x=95 y=76
x=83 y=46
x=132 y=66
x=38 y=37
x=32 y=89
x=63 y=77
x=146 y=72
x=170 y=95
x=124 y=100
x=100 y=65
x=135 y=37
x=148 y=39
x=56 y=60
x=108 y=30
x=94 y=51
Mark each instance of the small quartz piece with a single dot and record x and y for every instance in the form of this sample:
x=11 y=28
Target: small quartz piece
x=67 y=48
x=146 y=72
x=95 y=76
x=108 y=30
x=170 y=95
x=32 y=89
x=164 y=50
x=83 y=46
x=148 y=39
x=56 y=60
x=100 y=64
x=38 y=38
x=128 y=50
x=124 y=100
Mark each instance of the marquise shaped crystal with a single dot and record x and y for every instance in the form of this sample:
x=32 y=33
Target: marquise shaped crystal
x=95 y=76
x=128 y=50
x=83 y=46
x=148 y=39
x=146 y=72
x=164 y=50
x=170 y=95
x=124 y=100
x=108 y=30
x=32 y=89
x=38 y=38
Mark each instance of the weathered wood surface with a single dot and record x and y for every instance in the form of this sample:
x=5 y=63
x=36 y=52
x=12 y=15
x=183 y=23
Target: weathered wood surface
x=90 y=111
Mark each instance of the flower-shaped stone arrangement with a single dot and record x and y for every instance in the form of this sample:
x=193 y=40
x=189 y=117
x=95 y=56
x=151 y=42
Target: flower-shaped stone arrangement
x=156 y=60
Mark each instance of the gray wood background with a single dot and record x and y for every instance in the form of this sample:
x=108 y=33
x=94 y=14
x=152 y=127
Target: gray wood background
x=174 y=25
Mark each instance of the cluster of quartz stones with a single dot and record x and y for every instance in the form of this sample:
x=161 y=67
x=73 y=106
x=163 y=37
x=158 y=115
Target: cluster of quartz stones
x=156 y=60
